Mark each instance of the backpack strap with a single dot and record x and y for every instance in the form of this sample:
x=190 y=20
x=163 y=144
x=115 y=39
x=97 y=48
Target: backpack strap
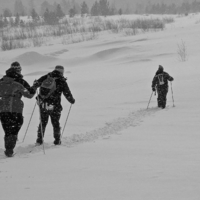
x=160 y=79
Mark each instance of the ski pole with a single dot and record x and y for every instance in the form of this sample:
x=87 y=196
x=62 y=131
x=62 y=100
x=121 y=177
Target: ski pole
x=172 y=95
x=29 y=122
x=41 y=123
x=66 y=120
x=149 y=100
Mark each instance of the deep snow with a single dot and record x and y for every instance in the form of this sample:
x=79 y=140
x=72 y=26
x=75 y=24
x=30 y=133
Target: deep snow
x=113 y=147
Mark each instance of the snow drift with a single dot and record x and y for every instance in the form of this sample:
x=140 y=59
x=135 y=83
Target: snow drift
x=32 y=58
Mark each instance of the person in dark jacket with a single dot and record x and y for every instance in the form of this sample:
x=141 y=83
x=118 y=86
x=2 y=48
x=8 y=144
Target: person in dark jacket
x=12 y=88
x=51 y=106
x=160 y=83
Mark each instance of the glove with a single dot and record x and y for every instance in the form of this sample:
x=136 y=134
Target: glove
x=36 y=84
x=32 y=90
x=72 y=100
x=38 y=100
x=153 y=89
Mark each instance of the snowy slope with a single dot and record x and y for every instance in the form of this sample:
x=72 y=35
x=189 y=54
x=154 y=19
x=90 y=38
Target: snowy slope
x=113 y=147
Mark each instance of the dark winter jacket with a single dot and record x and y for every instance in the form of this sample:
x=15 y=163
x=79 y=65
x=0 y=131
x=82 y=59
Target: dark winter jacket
x=61 y=87
x=12 y=88
x=160 y=80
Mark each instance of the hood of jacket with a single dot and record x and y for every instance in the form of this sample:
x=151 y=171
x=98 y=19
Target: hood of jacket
x=13 y=74
x=159 y=71
x=56 y=74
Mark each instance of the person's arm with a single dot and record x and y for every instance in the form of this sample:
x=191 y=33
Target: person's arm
x=67 y=93
x=25 y=92
x=170 y=78
x=154 y=83
x=38 y=83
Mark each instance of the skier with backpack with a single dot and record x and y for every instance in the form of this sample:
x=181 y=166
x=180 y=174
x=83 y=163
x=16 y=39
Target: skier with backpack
x=52 y=86
x=12 y=88
x=160 y=83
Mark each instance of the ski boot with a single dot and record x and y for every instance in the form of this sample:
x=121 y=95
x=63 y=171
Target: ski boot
x=9 y=152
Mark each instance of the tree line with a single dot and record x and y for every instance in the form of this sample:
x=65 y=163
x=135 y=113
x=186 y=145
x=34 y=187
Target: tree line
x=101 y=7
x=68 y=7
x=52 y=13
x=162 y=8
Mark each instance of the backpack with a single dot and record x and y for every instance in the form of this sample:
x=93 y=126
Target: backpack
x=161 y=79
x=8 y=89
x=47 y=87
x=9 y=96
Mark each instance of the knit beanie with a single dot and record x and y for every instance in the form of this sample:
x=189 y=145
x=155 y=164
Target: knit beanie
x=16 y=66
x=60 y=69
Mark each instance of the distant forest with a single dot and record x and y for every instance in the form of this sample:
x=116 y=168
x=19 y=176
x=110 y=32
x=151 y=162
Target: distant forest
x=102 y=7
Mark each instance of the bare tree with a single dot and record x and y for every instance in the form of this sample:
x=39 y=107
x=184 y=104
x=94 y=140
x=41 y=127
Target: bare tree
x=182 y=51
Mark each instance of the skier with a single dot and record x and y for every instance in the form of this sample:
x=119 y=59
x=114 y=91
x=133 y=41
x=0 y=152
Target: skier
x=160 y=83
x=52 y=86
x=12 y=88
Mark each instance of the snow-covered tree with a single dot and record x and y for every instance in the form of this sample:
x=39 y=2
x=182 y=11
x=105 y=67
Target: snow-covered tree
x=84 y=8
x=17 y=19
x=65 y=5
x=7 y=13
x=104 y=7
x=72 y=12
x=44 y=6
x=95 y=10
x=59 y=12
x=34 y=15
x=19 y=8
x=31 y=6
x=120 y=11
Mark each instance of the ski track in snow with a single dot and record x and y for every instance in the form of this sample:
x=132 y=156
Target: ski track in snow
x=110 y=128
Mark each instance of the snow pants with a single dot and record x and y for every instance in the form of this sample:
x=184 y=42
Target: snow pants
x=162 y=97
x=55 y=118
x=11 y=123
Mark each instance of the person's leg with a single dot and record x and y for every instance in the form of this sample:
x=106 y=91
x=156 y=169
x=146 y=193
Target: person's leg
x=42 y=126
x=159 y=99
x=11 y=123
x=55 y=120
x=163 y=97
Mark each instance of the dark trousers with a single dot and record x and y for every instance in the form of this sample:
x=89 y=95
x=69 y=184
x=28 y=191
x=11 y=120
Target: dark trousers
x=55 y=118
x=162 y=97
x=11 y=123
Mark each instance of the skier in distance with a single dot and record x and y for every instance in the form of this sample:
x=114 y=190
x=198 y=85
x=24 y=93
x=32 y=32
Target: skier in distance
x=160 y=83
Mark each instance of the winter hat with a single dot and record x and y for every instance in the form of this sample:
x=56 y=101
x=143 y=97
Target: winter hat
x=160 y=68
x=60 y=69
x=16 y=66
